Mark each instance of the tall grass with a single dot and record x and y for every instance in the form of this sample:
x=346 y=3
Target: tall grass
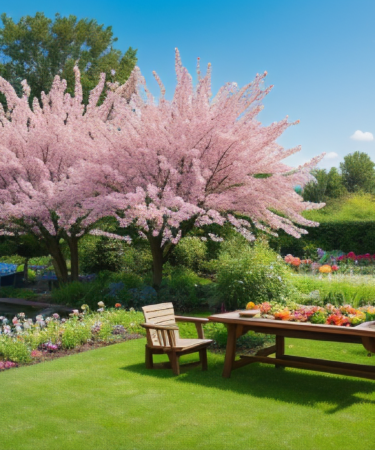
x=354 y=290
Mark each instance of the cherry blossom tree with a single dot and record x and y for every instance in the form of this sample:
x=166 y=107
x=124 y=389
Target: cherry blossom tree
x=43 y=151
x=196 y=160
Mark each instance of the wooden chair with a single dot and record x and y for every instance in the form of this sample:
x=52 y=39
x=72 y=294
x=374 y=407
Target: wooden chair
x=163 y=337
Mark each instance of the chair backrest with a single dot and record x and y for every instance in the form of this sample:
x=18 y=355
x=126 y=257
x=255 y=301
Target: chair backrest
x=160 y=314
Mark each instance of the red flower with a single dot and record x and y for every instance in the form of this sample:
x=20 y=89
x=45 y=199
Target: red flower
x=118 y=305
x=335 y=268
x=352 y=256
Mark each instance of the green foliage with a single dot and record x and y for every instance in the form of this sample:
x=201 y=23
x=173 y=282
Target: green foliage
x=77 y=293
x=191 y=252
x=137 y=258
x=358 y=172
x=12 y=292
x=219 y=334
x=14 y=350
x=347 y=224
x=38 y=48
x=254 y=274
x=98 y=254
x=180 y=286
x=30 y=273
x=328 y=185
x=340 y=290
x=75 y=333
x=356 y=207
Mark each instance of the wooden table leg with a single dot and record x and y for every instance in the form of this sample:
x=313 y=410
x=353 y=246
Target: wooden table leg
x=230 y=352
x=280 y=350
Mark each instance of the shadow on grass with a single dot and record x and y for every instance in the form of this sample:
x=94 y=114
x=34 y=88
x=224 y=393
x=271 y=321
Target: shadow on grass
x=287 y=385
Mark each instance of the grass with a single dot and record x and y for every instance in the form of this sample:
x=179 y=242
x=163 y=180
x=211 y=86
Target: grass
x=106 y=399
x=355 y=290
x=359 y=207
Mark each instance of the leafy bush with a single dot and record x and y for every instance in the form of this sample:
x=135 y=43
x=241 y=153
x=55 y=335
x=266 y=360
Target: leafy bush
x=137 y=258
x=190 y=252
x=14 y=350
x=255 y=274
x=77 y=293
x=181 y=286
x=101 y=254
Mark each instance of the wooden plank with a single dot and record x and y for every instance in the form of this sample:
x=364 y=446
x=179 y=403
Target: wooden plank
x=191 y=319
x=164 y=320
x=159 y=313
x=157 y=307
x=339 y=368
x=265 y=351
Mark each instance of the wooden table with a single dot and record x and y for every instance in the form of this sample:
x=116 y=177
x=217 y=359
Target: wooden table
x=237 y=326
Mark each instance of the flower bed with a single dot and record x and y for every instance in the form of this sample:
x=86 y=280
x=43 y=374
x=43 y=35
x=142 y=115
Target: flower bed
x=23 y=341
x=344 y=315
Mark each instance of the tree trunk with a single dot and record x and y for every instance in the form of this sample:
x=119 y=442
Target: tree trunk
x=26 y=270
x=157 y=260
x=73 y=247
x=58 y=260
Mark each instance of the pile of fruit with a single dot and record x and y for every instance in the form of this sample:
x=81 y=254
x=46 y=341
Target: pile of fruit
x=345 y=316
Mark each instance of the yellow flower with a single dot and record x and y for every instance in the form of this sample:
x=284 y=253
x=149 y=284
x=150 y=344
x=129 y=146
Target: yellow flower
x=325 y=269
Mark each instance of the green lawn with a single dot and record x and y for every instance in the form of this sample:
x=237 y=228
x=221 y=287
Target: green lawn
x=106 y=399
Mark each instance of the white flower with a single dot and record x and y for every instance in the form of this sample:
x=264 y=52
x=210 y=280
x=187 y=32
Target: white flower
x=100 y=309
x=113 y=72
x=101 y=304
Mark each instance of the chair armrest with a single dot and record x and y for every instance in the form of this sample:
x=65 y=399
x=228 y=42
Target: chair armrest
x=191 y=319
x=198 y=322
x=159 y=327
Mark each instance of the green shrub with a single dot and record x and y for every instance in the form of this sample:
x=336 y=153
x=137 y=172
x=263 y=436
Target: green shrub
x=76 y=293
x=255 y=274
x=190 y=252
x=182 y=287
x=137 y=258
x=14 y=350
x=98 y=254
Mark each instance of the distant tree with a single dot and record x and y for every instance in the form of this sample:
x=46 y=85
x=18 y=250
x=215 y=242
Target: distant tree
x=327 y=185
x=358 y=172
x=315 y=191
x=38 y=48
x=335 y=184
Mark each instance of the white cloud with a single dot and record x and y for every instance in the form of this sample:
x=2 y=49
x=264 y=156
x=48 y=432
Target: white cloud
x=331 y=155
x=362 y=136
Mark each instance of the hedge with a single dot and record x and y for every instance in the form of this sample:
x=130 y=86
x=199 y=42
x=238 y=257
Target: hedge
x=348 y=236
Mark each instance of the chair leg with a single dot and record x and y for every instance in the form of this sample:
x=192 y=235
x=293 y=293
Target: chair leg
x=149 y=359
x=203 y=358
x=174 y=359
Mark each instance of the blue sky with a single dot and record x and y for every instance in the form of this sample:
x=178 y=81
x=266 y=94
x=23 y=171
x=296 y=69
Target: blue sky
x=320 y=57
